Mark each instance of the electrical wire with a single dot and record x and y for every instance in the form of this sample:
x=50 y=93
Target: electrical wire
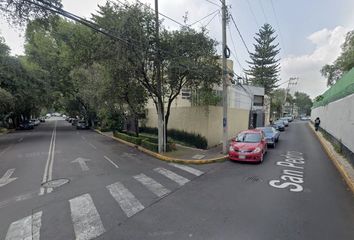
x=216 y=11
x=234 y=53
x=252 y=12
x=209 y=1
x=277 y=22
x=265 y=16
x=239 y=33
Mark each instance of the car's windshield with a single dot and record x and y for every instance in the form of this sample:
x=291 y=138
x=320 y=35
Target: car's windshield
x=267 y=130
x=248 y=137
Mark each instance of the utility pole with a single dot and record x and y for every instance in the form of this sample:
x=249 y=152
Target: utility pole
x=224 y=77
x=160 y=105
x=292 y=81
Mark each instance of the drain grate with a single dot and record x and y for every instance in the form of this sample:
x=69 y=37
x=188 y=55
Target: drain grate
x=55 y=183
x=253 y=179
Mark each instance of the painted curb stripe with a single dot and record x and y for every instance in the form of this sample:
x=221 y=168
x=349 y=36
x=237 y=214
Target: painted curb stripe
x=126 y=200
x=173 y=176
x=152 y=185
x=86 y=220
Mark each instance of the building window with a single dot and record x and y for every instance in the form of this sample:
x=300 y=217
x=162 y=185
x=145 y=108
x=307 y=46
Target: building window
x=186 y=94
x=258 y=100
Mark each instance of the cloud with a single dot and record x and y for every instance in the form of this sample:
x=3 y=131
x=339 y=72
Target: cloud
x=307 y=67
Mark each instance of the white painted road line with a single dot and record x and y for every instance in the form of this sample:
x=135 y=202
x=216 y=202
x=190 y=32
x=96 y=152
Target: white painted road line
x=109 y=160
x=126 y=200
x=18 y=198
x=48 y=171
x=173 y=176
x=93 y=146
x=191 y=170
x=152 y=185
x=26 y=228
x=5 y=150
x=20 y=140
x=6 y=179
x=86 y=220
x=82 y=162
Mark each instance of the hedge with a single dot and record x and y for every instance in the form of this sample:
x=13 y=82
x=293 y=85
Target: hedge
x=146 y=142
x=125 y=137
x=155 y=147
x=151 y=146
x=191 y=138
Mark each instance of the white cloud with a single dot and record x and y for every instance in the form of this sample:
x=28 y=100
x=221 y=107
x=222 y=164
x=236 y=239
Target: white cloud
x=307 y=67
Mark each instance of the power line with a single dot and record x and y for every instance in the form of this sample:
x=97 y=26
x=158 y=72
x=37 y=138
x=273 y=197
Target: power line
x=252 y=12
x=234 y=53
x=169 y=18
x=213 y=3
x=277 y=22
x=265 y=16
x=239 y=33
x=216 y=11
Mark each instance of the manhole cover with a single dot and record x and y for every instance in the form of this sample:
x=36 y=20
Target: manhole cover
x=253 y=179
x=55 y=183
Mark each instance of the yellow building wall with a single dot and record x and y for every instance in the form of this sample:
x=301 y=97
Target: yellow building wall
x=207 y=121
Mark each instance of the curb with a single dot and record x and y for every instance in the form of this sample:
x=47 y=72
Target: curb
x=165 y=158
x=332 y=156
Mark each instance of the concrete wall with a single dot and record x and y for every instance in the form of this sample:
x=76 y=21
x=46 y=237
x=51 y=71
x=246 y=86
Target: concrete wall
x=207 y=121
x=337 y=118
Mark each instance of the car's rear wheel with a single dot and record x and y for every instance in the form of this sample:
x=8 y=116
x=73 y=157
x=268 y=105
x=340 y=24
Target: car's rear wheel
x=273 y=144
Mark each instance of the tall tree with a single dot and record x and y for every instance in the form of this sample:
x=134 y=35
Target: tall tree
x=264 y=66
x=188 y=57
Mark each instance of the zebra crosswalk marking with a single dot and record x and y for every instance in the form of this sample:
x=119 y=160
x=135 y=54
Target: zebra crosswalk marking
x=86 y=220
x=152 y=185
x=173 y=176
x=191 y=170
x=27 y=228
x=126 y=200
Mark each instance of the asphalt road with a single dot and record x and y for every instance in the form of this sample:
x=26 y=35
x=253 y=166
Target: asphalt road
x=117 y=192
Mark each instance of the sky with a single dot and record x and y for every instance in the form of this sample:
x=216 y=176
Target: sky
x=310 y=32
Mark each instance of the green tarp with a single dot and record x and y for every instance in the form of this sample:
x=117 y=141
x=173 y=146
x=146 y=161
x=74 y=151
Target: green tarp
x=342 y=88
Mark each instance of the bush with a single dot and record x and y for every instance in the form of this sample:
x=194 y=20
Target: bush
x=148 y=130
x=150 y=146
x=191 y=138
x=155 y=147
x=125 y=137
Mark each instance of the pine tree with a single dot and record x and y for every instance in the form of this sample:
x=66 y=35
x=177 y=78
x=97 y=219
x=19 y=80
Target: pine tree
x=264 y=64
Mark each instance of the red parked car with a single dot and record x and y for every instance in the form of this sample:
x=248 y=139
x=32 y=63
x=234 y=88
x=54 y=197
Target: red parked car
x=248 y=146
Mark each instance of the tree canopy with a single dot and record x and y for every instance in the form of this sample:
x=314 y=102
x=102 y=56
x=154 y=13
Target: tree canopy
x=264 y=66
x=344 y=63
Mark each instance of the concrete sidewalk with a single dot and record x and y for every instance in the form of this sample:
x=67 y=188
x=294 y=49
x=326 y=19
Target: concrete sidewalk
x=183 y=154
x=342 y=164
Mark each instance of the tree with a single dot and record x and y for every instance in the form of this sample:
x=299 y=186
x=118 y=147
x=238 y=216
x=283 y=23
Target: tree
x=20 y=11
x=188 y=58
x=303 y=102
x=264 y=64
x=344 y=63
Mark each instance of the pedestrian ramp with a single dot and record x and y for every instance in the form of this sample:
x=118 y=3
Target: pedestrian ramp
x=85 y=217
